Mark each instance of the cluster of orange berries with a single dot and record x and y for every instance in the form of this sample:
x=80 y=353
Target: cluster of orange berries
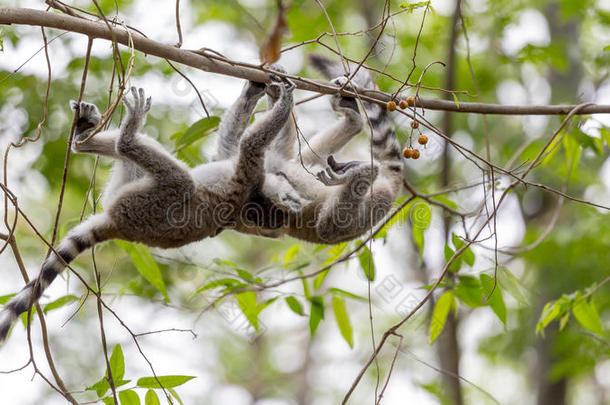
x=411 y=153
x=409 y=101
x=408 y=152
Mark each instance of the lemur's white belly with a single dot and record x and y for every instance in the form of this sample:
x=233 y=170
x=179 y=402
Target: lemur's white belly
x=210 y=174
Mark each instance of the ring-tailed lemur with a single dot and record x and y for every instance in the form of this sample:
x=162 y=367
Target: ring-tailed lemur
x=338 y=205
x=156 y=199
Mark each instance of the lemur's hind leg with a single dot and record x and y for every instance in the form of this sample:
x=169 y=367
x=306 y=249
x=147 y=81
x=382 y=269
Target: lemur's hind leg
x=236 y=118
x=250 y=168
x=333 y=138
x=143 y=151
x=283 y=144
x=277 y=187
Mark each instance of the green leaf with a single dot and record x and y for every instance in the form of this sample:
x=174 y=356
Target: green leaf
x=247 y=303
x=605 y=134
x=335 y=252
x=60 y=302
x=197 y=131
x=586 y=315
x=100 y=387
x=510 y=284
x=421 y=216
x=495 y=301
x=145 y=264
x=151 y=398
x=319 y=279
x=245 y=275
x=117 y=363
x=411 y=7
x=108 y=401
x=467 y=255
x=468 y=290
x=316 y=314
x=6 y=298
x=455 y=99
x=564 y=320
x=24 y=317
x=168 y=381
x=291 y=253
x=573 y=151
x=295 y=305
x=607 y=48
x=551 y=310
x=343 y=320
x=227 y=283
x=129 y=397
x=175 y=394
x=346 y=294
x=439 y=315
x=595 y=144
x=306 y=290
x=367 y=264
x=456 y=264
x=442 y=198
x=265 y=304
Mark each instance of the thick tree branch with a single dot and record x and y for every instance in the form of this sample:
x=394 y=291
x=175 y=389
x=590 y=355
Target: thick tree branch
x=210 y=62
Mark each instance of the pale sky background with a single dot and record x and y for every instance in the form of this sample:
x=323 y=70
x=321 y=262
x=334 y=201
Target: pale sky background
x=337 y=365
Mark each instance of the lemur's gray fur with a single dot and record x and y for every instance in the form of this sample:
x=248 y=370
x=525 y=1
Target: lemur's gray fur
x=338 y=205
x=156 y=199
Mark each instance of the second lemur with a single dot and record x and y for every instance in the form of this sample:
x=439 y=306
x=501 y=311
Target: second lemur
x=344 y=200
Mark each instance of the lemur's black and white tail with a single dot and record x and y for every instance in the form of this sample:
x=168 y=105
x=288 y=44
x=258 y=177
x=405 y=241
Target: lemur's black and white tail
x=386 y=148
x=94 y=230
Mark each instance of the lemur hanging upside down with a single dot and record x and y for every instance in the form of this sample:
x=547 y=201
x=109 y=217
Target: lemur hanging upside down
x=155 y=199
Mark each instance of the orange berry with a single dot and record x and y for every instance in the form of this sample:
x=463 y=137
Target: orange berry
x=414 y=124
x=415 y=154
x=422 y=140
x=407 y=153
x=403 y=104
x=391 y=106
x=411 y=100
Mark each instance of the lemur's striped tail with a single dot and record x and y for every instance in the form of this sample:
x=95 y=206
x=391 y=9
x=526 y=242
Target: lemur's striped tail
x=94 y=230
x=386 y=148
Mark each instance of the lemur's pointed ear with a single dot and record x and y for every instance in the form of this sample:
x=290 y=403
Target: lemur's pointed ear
x=73 y=105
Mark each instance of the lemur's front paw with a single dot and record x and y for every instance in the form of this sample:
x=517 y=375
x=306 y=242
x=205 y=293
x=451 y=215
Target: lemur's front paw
x=340 y=81
x=141 y=104
x=88 y=115
x=340 y=103
x=341 y=173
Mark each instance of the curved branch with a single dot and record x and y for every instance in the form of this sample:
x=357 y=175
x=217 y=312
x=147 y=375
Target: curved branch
x=209 y=62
